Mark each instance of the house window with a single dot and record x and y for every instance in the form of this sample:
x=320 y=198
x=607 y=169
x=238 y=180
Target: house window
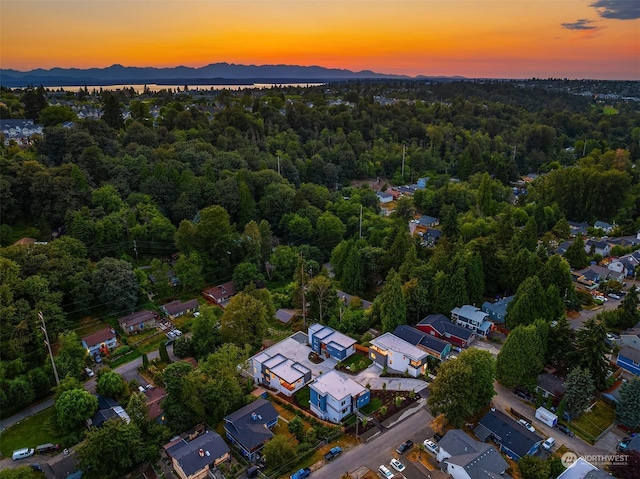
x=343 y=403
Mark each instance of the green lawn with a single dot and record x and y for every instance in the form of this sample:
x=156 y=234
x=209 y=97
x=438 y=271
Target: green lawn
x=591 y=424
x=609 y=110
x=37 y=429
x=372 y=407
x=24 y=472
x=354 y=361
x=303 y=396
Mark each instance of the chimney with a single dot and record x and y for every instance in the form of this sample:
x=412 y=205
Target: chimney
x=254 y=416
x=201 y=452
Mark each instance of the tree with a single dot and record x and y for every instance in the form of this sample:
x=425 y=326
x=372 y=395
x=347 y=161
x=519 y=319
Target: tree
x=188 y=269
x=112 y=450
x=74 y=407
x=560 y=344
x=592 y=349
x=115 y=284
x=112 y=115
x=628 y=309
x=521 y=358
x=164 y=355
x=296 y=427
x=322 y=291
x=279 y=451
x=628 y=408
x=576 y=255
x=110 y=384
x=532 y=467
x=22 y=472
x=462 y=387
x=205 y=329
x=244 y=320
x=329 y=232
x=244 y=274
x=71 y=355
x=138 y=410
x=449 y=222
x=528 y=304
x=56 y=115
x=578 y=390
x=393 y=307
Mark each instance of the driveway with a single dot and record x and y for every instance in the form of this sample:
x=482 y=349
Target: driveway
x=371 y=377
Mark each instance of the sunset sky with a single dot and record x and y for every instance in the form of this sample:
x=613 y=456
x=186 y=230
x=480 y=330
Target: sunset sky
x=473 y=38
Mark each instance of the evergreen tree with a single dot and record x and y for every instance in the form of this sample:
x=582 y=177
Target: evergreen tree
x=449 y=222
x=111 y=113
x=560 y=346
x=393 y=307
x=521 y=358
x=628 y=408
x=628 y=309
x=578 y=391
x=529 y=304
x=592 y=349
x=576 y=255
x=164 y=356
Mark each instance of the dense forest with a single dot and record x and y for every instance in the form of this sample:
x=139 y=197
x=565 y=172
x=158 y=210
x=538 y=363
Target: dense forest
x=271 y=184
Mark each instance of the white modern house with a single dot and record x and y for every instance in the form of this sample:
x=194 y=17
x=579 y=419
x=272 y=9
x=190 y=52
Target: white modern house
x=389 y=351
x=333 y=396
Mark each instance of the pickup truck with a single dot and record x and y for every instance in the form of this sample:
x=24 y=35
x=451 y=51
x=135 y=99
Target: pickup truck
x=301 y=474
x=333 y=453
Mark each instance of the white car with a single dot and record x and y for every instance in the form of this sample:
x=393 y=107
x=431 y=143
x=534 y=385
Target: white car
x=527 y=425
x=385 y=472
x=397 y=465
x=430 y=446
x=613 y=295
x=177 y=333
x=89 y=372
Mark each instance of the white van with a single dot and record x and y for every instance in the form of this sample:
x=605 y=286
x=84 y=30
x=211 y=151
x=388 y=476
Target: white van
x=22 y=453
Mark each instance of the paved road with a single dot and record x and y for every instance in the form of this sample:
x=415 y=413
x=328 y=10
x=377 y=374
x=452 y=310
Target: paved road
x=381 y=449
x=611 y=303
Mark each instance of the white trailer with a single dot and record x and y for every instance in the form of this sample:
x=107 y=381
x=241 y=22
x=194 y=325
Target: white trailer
x=546 y=417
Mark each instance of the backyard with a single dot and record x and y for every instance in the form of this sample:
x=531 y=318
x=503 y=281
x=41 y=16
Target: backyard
x=594 y=422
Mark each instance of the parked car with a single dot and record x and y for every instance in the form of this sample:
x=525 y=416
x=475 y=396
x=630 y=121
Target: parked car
x=404 y=447
x=565 y=429
x=397 y=465
x=430 y=446
x=333 y=453
x=548 y=444
x=48 y=447
x=385 y=472
x=177 y=333
x=622 y=445
x=89 y=372
x=97 y=358
x=22 y=453
x=600 y=298
x=301 y=474
x=613 y=295
x=527 y=425
x=171 y=335
x=522 y=393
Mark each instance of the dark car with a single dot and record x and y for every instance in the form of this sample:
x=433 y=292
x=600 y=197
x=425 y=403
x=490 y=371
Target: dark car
x=404 y=447
x=522 y=393
x=565 y=429
x=437 y=437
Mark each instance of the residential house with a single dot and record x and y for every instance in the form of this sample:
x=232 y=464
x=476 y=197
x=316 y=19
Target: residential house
x=249 y=428
x=426 y=220
x=629 y=360
x=630 y=262
x=600 y=247
x=513 y=438
x=466 y=458
x=582 y=469
x=550 y=385
x=439 y=326
x=472 y=318
x=333 y=396
x=384 y=197
x=631 y=338
x=563 y=247
x=433 y=346
x=618 y=266
x=497 y=311
x=177 y=308
x=220 y=294
x=19 y=130
x=194 y=459
x=595 y=275
x=136 y=322
x=330 y=343
x=285 y=315
x=604 y=226
x=107 y=408
x=66 y=467
x=154 y=397
x=100 y=342
x=279 y=372
x=422 y=182
x=576 y=228
x=350 y=300
x=389 y=351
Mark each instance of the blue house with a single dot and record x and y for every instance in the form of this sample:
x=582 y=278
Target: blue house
x=330 y=343
x=249 y=428
x=333 y=396
x=513 y=438
x=497 y=311
x=629 y=359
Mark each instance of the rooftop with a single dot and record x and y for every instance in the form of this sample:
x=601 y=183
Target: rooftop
x=99 y=337
x=394 y=343
x=199 y=453
x=337 y=385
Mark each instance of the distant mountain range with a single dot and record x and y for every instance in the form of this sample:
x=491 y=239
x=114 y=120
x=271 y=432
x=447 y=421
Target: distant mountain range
x=216 y=73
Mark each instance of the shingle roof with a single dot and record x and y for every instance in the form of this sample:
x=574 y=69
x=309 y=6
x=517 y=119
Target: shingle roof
x=177 y=306
x=418 y=338
x=195 y=455
x=442 y=324
x=137 y=317
x=630 y=353
x=99 y=337
x=509 y=433
x=480 y=460
x=250 y=432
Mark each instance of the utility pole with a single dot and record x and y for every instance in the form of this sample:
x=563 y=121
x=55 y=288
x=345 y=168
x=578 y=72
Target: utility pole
x=135 y=249
x=403 y=155
x=584 y=150
x=279 y=165
x=360 y=221
x=304 y=299
x=46 y=341
x=515 y=148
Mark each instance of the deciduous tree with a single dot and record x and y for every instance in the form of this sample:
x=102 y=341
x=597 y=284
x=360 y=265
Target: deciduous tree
x=73 y=407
